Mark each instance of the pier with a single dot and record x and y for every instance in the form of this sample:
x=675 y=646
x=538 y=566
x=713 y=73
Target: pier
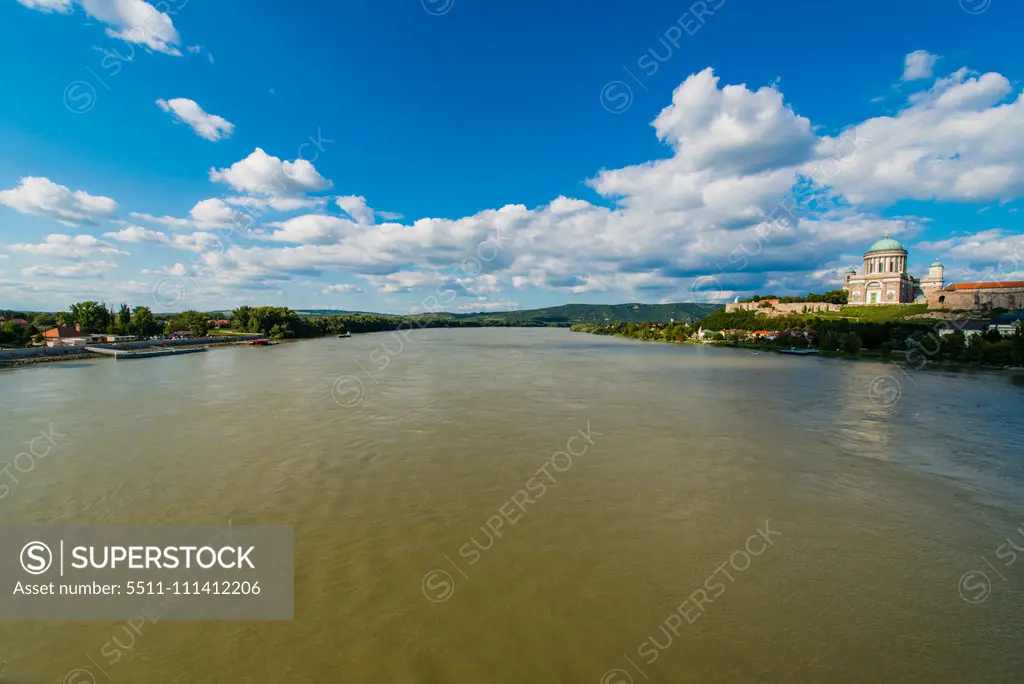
x=145 y=352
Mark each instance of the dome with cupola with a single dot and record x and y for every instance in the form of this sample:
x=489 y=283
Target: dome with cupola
x=887 y=244
x=936 y=263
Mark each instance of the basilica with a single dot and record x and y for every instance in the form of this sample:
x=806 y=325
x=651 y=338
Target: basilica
x=884 y=278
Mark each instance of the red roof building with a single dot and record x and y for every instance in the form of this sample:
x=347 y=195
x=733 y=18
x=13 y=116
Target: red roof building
x=986 y=286
x=62 y=331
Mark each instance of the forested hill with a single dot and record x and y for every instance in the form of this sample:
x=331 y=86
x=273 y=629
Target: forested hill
x=571 y=314
x=600 y=313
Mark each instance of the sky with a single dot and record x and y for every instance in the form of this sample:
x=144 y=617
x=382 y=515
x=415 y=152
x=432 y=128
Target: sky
x=412 y=155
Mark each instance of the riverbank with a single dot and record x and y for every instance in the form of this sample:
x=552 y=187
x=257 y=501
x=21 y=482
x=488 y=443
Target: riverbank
x=872 y=355
x=13 y=358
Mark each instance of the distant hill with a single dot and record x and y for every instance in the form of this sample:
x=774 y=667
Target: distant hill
x=567 y=314
x=571 y=314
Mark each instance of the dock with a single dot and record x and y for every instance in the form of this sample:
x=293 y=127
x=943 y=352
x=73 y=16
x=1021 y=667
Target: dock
x=145 y=352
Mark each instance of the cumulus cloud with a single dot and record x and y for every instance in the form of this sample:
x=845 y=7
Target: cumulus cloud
x=95 y=269
x=211 y=214
x=345 y=288
x=42 y=197
x=133 y=21
x=283 y=204
x=954 y=142
x=486 y=306
x=138 y=235
x=136 y=21
x=747 y=195
x=263 y=175
x=167 y=221
x=356 y=208
x=74 y=248
x=61 y=6
x=207 y=126
x=918 y=65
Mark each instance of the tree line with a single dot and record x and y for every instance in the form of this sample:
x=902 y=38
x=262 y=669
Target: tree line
x=919 y=339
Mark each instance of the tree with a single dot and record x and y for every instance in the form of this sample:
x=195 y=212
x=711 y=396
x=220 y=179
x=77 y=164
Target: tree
x=143 y=323
x=1017 y=348
x=124 y=319
x=851 y=343
x=12 y=333
x=191 y=321
x=89 y=316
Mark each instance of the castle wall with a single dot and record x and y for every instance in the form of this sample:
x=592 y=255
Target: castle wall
x=781 y=309
x=977 y=299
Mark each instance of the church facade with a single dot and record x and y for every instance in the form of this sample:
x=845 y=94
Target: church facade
x=884 y=278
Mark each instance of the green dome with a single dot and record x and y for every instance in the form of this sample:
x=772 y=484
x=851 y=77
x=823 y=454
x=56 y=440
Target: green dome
x=936 y=263
x=886 y=244
x=852 y=270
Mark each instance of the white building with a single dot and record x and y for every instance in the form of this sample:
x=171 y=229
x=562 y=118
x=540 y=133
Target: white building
x=885 y=280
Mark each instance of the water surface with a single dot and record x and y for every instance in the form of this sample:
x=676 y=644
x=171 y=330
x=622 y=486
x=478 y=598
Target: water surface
x=883 y=502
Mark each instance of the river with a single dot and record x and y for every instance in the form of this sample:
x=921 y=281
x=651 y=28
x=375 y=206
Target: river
x=707 y=515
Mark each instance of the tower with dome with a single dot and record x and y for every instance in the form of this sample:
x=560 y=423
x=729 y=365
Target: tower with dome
x=884 y=278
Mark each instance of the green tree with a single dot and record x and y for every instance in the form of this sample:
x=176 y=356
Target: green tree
x=188 y=321
x=14 y=334
x=1017 y=348
x=124 y=319
x=143 y=323
x=852 y=343
x=89 y=316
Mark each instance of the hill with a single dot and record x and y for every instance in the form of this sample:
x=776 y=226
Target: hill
x=571 y=314
x=567 y=314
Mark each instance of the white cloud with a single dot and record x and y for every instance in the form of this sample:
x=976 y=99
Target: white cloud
x=75 y=248
x=211 y=214
x=198 y=242
x=62 y=6
x=356 y=208
x=42 y=197
x=313 y=229
x=167 y=221
x=716 y=214
x=136 y=21
x=345 y=288
x=138 y=235
x=133 y=21
x=406 y=281
x=485 y=306
x=283 y=204
x=207 y=126
x=263 y=175
x=954 y=142
x=94 y=269
x=918 y=65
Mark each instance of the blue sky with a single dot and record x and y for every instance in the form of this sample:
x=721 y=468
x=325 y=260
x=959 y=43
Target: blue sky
x=404 y=155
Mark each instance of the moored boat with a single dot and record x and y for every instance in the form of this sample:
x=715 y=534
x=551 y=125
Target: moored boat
x=797 y=352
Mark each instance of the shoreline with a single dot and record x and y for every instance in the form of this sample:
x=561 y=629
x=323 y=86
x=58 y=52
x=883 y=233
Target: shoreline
x=825 y=353
x=873 y=358
x=85 y=355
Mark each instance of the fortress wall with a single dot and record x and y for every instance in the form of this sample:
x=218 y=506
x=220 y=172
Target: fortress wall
x=977 y=300
x=781 y=309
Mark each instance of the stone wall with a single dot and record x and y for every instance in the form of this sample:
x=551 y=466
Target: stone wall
x=781 y=309
x=977 y=299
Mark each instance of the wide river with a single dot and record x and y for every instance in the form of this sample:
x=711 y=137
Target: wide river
x=724 y=516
